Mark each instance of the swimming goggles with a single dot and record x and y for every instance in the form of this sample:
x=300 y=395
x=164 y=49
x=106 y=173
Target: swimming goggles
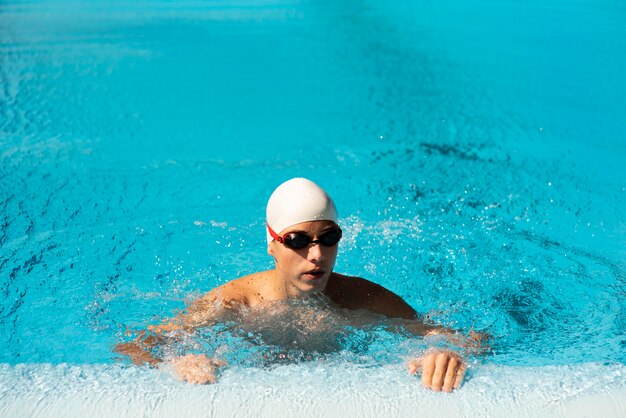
x=300 y=240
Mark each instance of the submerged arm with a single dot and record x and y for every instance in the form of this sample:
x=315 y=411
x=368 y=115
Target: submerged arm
x=202 y=312
x=357 y=293
x=472 y=343
x=442 y=369
x=194 y=368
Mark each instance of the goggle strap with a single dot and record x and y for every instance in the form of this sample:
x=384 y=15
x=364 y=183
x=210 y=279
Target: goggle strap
x=273 y=234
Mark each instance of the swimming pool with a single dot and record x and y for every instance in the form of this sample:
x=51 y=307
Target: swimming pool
x=475 y=153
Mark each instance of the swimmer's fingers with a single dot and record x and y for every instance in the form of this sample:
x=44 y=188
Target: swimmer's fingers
x=428 y=366
x=460 y=374
x=425 y=365
x=441 y=370
x=428 y=370
x=196 y=368
x=414 y=366
x=452 y=370
x=437 y=380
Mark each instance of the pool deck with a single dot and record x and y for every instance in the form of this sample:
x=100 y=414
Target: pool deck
x=311 y=391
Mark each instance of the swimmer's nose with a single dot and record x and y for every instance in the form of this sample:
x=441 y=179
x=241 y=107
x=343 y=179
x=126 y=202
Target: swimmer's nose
x=315 y=252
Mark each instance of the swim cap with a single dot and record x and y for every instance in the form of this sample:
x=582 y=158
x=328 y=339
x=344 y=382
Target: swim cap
x=295 y=201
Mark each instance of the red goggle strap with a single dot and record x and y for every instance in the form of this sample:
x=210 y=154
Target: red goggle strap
x=274 y=234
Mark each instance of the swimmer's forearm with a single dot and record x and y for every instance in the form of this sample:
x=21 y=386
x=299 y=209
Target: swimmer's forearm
x=420 y=329
x=475 y=343
x=202 y=313
x=140 y=350
x=137 y=354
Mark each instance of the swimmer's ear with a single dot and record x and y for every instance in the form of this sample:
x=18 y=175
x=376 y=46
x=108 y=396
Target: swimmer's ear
x=270 y=249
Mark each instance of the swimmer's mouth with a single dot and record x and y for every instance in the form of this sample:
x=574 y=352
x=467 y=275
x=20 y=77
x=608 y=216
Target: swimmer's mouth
x=315 y=273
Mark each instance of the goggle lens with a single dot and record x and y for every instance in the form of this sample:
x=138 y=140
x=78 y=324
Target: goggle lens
x=298 y=240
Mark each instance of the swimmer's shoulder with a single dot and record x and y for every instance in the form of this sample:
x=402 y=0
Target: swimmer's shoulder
x=228 y=297
x=345 y=289
x=351 y=292
x=246 y=290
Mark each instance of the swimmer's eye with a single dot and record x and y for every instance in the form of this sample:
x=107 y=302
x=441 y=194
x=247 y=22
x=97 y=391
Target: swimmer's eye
x=299 y=240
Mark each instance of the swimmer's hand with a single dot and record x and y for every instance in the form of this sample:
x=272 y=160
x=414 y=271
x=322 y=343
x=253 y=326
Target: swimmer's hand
x=139 y=350
x=441 y=370
x=196 y=368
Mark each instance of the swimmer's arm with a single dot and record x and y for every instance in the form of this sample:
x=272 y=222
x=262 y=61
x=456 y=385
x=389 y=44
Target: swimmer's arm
x=140 y=350
x=192 y=368
x=472 y=343
x=359 y=293
x=215 y=306
x=204 y=311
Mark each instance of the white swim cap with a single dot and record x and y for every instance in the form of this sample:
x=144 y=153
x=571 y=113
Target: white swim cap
x=295 y=201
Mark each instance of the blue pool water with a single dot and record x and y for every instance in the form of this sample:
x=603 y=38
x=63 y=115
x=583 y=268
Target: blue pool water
x=475 y=150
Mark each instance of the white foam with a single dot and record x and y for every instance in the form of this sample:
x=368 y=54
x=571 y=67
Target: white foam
x=310 y=390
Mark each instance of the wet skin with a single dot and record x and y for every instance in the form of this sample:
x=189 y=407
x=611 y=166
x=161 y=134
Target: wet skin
x=300 y=273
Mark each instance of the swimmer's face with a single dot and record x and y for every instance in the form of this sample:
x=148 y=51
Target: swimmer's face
x=306 y=270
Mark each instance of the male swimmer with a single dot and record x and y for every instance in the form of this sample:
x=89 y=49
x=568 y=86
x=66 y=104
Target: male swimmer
x=302 y=235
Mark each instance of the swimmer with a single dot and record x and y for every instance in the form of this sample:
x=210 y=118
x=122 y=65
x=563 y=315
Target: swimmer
x=302 y=235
